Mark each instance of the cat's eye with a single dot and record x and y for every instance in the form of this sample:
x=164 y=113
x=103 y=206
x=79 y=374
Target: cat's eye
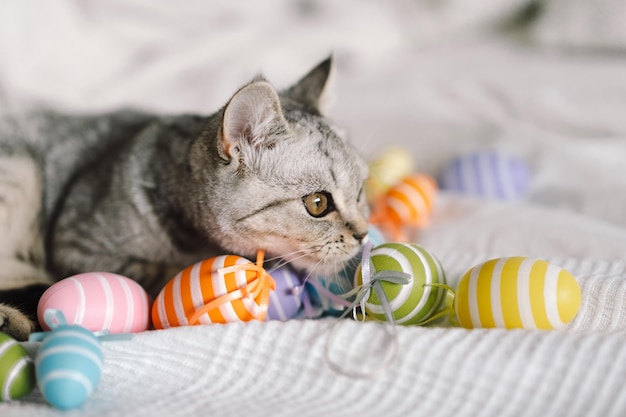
x=318 y=204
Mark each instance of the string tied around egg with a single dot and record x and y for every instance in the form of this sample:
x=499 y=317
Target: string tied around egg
x=372 y=280
x=55 y=318
x=258 y=289
x=449 y=306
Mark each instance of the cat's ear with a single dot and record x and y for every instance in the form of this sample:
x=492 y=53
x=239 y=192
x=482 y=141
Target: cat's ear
x=252 y=118
x=311 y=90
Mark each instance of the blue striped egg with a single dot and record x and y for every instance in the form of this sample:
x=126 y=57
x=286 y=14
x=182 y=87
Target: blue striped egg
x=286 y=299
x=68 y=366
x=17 y=374
x=490 y=174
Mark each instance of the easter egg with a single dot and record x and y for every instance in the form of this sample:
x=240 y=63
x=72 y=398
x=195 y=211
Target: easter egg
x=410 y=303
x=517 y=292
x=488 y=174
x=17 y=373
x=386 y=170
x=68 y=366
x=98 y=301
x=286 y=299
x=411 y=201
x=218 y=285
x=407 y=204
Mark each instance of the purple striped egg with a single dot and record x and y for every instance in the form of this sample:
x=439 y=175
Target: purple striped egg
x=492 y=174
x=98 y=301
x=286 y=299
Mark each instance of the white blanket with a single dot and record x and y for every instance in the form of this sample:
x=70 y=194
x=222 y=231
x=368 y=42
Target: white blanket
x=435 y=78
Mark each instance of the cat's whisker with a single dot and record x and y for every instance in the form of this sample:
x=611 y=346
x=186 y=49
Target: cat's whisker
x=287 y=259
x=288 y=254
x=344 y=251
x=308 y=276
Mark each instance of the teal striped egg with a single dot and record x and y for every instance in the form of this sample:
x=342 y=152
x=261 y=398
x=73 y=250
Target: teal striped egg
x=17 y=373
x=341 y=282
x=410 y=303
x=68 y=366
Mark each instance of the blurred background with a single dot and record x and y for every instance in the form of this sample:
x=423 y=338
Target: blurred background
x=424 y=61
x=544 y=78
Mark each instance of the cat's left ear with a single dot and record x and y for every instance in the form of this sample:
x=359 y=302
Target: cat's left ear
x=312 y=90
x=252 y=118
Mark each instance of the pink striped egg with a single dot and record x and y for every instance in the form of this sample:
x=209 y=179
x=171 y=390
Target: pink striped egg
x=98 y=301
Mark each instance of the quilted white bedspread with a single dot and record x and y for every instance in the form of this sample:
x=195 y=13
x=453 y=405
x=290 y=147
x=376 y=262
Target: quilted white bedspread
x=435 y=78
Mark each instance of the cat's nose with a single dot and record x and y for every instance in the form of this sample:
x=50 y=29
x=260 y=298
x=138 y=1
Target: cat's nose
x=359 y=236
x=359 y=228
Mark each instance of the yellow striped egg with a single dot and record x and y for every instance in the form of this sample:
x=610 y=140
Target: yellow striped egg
x=17 y=372
x=386 y=170
x=389 y=167
x=517 y=292
x=411 y=303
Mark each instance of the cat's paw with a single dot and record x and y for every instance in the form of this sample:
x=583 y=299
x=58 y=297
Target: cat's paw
x=14 y=323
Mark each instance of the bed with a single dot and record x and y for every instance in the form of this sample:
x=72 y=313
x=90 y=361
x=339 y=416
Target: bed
x=545 y=80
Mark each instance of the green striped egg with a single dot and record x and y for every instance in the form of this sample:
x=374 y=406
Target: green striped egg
x=411 y=303
x=517 y=292
x=17 y=372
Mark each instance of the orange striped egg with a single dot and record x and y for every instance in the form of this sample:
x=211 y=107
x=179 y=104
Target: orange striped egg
x=407 y=204
x=222 y=289
x=411 y=201
x=517 y=292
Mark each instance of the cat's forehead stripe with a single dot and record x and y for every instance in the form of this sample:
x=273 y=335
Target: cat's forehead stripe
x=272 y=204
x=332 y=174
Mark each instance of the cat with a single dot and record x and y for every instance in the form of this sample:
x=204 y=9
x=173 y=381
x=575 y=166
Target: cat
x=146 y=195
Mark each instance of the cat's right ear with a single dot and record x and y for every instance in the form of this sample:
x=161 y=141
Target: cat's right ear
x=252 y=118
x=312 y=90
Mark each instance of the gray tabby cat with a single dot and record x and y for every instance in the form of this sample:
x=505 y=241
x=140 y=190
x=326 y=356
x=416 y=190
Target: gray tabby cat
x=145 y=195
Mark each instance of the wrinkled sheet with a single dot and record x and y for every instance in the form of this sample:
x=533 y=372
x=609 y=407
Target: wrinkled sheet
x=435 y=78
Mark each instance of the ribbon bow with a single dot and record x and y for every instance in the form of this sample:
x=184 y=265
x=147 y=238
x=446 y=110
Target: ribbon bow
x=55 y=318
x=372 y=279
x=260 y=286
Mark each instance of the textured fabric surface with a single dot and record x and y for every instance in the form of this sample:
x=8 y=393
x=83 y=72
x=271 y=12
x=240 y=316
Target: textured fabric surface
x=280 y=368
x=432 y=77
